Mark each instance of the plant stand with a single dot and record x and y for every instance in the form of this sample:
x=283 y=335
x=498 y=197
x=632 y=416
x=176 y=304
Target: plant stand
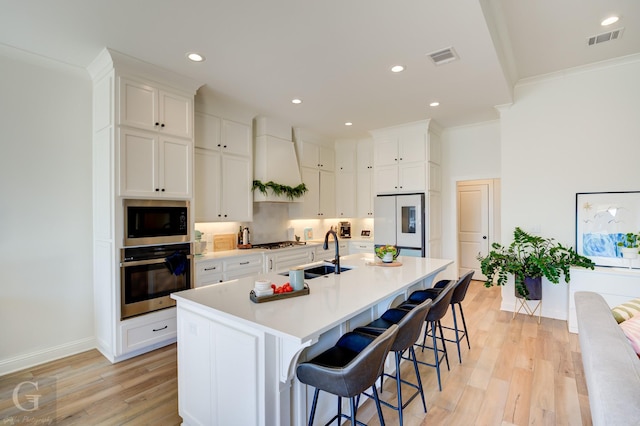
x=534 y=286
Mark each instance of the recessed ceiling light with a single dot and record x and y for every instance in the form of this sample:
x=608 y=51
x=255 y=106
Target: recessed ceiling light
x=296 y=101
x=610 y=20
x=195 y=57
x=348 y=123
x=434 y=104
x=397 y=68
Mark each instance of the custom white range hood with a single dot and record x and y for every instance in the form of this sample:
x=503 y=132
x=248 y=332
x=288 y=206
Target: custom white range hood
x=275 y=159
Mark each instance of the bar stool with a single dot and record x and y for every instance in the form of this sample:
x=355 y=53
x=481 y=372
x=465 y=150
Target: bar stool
x=441 y=300
x=409 y=326
x=348 y=369
x=458 y=296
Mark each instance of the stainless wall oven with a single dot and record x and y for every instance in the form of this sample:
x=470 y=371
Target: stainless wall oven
x=149 y=274
x=156 y=222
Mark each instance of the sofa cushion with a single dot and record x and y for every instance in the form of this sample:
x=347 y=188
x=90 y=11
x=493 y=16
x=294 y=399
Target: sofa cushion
x=626 y=310
x=631 y=328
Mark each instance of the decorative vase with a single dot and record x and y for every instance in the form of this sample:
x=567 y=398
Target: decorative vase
x=387 y=258
x=534 y=286
x=629 y=252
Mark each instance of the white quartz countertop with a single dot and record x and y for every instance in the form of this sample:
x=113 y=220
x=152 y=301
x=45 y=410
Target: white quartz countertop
x=246 y=252
x=332 y=300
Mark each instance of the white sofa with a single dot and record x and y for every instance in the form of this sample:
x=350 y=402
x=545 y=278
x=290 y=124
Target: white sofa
x=611 y=366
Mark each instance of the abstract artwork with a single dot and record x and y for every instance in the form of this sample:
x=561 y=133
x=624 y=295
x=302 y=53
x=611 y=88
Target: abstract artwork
x=602 y=220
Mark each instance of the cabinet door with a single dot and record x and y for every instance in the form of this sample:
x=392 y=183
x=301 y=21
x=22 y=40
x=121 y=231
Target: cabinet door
x=327 y=202
x=364 y=155
x=345 y=154
x=345 y=194
x=237 y=198
x=326 y=156
x=310 y=156
x=207 y=131
x=176 y=165
x=236 y=138
x=386 y=179
x=175 y=114
x=386 y=151
x=412 y=177
x=310 y=205
x=413 y=147
x=364 y=199
x=138 y=163
x=207 y=185
x=138 y=104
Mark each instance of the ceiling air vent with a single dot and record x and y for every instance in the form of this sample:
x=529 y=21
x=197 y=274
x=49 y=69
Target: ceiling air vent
x=443 y=56
x=601 y=38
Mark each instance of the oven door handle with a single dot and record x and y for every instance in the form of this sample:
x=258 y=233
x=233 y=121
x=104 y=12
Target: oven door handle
x=146 y=262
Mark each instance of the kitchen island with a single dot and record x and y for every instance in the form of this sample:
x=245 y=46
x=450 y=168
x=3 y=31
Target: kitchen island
x=237 y=359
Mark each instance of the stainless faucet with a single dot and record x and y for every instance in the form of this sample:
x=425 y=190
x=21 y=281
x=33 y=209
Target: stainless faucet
x=325 y=246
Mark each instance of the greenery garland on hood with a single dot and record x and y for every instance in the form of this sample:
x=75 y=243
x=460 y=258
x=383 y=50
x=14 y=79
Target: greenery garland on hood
x=277 y=189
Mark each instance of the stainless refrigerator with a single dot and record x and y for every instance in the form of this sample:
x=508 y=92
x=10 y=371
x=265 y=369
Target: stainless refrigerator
x=400 y=220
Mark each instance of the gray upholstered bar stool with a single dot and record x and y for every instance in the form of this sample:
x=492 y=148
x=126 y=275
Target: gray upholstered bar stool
x=440 y=305
x=457 y=298
x=409 y=328
x=348 y=369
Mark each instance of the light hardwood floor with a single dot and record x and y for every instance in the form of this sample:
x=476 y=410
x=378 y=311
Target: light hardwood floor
x=516 y=373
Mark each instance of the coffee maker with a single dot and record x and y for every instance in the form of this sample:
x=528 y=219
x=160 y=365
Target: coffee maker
x=345 y=230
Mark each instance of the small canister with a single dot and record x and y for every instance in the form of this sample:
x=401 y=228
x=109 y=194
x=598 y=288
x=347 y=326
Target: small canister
x=296 y=279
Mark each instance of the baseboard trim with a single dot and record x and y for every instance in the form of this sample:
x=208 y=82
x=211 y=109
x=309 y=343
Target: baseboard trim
x=32 y=359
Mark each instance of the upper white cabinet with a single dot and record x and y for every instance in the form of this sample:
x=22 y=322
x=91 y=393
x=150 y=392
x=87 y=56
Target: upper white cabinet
x=152 y=164
x=319 y=201
x=145 y=106
x=223 y=170
x=316 y=156
x=345 y=178
x=400 y=159
x=364 y=178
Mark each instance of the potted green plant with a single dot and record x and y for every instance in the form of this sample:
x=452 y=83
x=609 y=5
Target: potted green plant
x=629 y=245
x=387 y=253
x=529 y=258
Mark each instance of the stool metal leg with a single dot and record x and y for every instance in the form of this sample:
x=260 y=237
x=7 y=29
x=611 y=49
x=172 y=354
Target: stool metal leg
x=464 y=324
x=352 y=401
x=375 y=397
x=313 y=406
x=412 y=354
x=455 y=328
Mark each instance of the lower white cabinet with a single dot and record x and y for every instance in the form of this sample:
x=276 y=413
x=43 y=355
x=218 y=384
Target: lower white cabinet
x=360 y=247
x=330 y=252
x=147 y=330
x=218 y=270
x=283 y=259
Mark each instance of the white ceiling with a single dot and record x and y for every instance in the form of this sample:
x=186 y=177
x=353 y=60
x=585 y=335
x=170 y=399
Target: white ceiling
x=335 y=54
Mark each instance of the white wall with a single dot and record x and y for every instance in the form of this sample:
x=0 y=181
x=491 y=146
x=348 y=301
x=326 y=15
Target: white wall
x=468 y=153
x=46 y=305
x=576 y=131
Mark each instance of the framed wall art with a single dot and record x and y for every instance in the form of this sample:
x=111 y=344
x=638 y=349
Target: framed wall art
x=602 y=221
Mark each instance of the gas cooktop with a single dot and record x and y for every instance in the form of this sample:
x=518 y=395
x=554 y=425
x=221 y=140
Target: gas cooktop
x=279 y=245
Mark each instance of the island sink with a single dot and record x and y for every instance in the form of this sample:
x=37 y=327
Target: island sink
x=315 y=271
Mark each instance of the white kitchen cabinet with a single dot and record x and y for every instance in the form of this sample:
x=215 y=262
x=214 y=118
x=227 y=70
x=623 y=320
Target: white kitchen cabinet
x=213 y=271
x=223 y=170
x=330 y=253
x=132 y=158
x=145 y=106
x=364 y=178
x=360 y=247
x=316 y=156
x=154 y=165
x=223 y=187
x=345 y=194
x=345 y=156
x=282 y=259
x=400 y=159
x=320 y=200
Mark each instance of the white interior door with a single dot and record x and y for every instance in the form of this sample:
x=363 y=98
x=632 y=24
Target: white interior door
x=473 y=225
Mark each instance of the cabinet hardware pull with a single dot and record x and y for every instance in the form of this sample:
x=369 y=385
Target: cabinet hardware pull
x=159 y=329
x=162 y=190
x=244 y=263
x=157 y=189
x=224 y=146
x=218 y=144
x=211 y=269
x=157 y=124
x=400 y=158
x=162 y=125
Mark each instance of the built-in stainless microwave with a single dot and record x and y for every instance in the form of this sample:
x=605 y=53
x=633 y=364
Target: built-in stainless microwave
x=156 y=222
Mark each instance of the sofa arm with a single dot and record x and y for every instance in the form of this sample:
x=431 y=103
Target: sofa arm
x=611 y=367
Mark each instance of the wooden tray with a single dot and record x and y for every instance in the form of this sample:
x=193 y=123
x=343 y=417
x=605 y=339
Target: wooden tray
x=244 y=246
x=256 y=299
x=391 y=264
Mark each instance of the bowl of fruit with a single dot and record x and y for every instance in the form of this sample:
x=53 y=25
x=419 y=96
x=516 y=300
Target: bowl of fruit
x=387 y=253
